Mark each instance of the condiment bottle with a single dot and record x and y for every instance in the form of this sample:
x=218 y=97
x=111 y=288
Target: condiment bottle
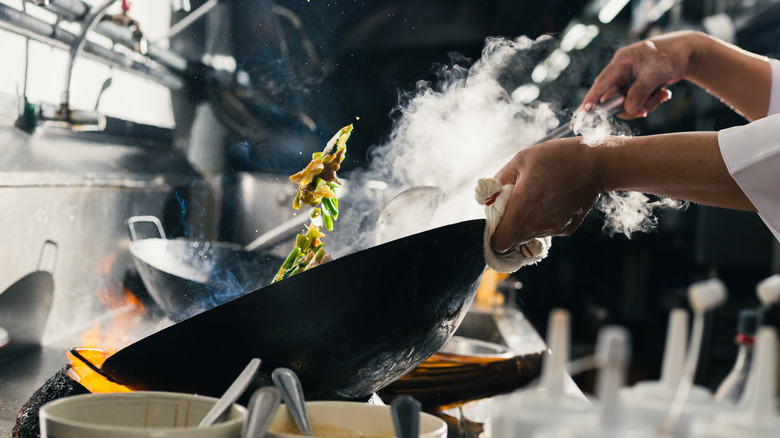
x=755 y=415
x=732 y=386
x=671 y=402
x=612 y=356
x=521 y=413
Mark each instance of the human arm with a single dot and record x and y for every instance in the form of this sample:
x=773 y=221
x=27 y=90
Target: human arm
x=643 y=70
x=558 y=182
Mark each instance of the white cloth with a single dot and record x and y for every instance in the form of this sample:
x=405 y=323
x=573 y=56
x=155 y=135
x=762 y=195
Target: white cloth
x=494 y=197
x=752 y=155
x=774 y=99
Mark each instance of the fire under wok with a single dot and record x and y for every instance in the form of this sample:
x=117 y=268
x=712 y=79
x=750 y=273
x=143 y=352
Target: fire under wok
x=347 y=328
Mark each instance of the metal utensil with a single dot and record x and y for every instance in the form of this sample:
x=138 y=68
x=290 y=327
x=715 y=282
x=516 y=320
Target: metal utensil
x=408 y=212
x=406 y=416
x=613 y=106
x=282 y=232
x=288 y=384
x=232 y=394
x=262 y=407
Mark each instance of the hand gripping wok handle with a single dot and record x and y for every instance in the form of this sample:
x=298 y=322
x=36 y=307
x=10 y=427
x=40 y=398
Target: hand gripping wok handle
x=151 y=219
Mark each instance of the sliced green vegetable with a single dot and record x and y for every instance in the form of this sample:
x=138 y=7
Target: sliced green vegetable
x=327 y=220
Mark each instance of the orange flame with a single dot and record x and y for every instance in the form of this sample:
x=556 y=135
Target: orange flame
x=90 y=379
x=102 y=340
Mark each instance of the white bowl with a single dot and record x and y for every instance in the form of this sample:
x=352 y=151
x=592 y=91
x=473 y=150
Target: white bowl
x=142 y=414
x=350 y=420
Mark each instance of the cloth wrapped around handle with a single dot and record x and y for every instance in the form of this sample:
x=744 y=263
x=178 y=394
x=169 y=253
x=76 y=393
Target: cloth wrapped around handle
x=495 y=198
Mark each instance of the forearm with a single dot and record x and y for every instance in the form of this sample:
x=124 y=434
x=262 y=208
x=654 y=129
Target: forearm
x=740 y=78
x=684 y=166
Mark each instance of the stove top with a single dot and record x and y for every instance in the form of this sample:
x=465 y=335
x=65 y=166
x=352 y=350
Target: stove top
x=22 y=375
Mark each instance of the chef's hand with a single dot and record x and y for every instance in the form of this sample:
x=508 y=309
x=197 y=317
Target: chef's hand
x=642 y=71
x=556 y=184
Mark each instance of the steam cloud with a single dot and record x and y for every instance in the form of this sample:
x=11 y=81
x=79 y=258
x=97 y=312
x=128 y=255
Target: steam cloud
x=467 y=126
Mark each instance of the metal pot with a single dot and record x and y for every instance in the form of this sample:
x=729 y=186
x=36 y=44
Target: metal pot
x=347 y=328
x=186 y=277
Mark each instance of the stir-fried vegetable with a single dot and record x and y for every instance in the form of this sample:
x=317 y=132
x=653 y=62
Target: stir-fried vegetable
x=317 y=184
x=307 y=253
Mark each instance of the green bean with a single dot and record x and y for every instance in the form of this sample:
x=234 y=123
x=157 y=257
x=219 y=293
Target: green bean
x=320 y=255
x=288 y=262
x=327 y=220
x=328 y=204
x=297 y=200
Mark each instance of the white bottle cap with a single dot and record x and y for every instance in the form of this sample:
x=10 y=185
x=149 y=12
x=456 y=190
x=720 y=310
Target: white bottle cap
x=755 y=415
x=707 y=294
x=768 y=290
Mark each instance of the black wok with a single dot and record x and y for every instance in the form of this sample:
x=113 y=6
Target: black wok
x=186 y=277
x=347 y=328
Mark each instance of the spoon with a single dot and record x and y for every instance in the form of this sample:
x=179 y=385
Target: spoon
x=262 y=407
x=406 y=416
x=408 y=212
x=286 y=381
x=232 y=394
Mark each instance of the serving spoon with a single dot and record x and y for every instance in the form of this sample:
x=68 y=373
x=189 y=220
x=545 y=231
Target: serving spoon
x=409 y=211
x=262 y=407
x=406 y=416
x=286 y=381
x=232 y=394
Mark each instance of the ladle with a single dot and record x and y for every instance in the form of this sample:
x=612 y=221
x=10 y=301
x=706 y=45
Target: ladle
x=262 y=407
x=232 y=394
x=408 y=212
x=280 y=233
x=286 y=381
x=406 y=416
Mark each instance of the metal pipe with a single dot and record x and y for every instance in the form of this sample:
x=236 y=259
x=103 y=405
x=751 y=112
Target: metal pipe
x=13 y=20
x=73 y=9
x=87 y=25
x=123 y=35
x=76 y=10
x=190 y=18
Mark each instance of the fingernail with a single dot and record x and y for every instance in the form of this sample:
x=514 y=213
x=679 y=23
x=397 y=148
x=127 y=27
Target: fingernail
x=587 y=107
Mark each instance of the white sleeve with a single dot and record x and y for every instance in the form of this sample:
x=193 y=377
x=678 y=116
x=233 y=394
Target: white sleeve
x=774 y=97
x=752 y=155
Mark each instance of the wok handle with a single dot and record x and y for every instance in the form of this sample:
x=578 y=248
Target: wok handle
x=136 y=219
x=55 y=248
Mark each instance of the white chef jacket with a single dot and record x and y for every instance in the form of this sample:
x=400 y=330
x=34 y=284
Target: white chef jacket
x=752 y=155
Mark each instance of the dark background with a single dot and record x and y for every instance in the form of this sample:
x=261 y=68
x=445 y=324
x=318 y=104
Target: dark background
x=368 y=53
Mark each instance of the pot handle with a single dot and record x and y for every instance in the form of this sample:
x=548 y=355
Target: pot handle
x=76 y=352
x=153 y=219
x=55 y=248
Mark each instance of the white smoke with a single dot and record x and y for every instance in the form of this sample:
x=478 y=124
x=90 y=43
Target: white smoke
x=624 y=212
x=467 y=127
